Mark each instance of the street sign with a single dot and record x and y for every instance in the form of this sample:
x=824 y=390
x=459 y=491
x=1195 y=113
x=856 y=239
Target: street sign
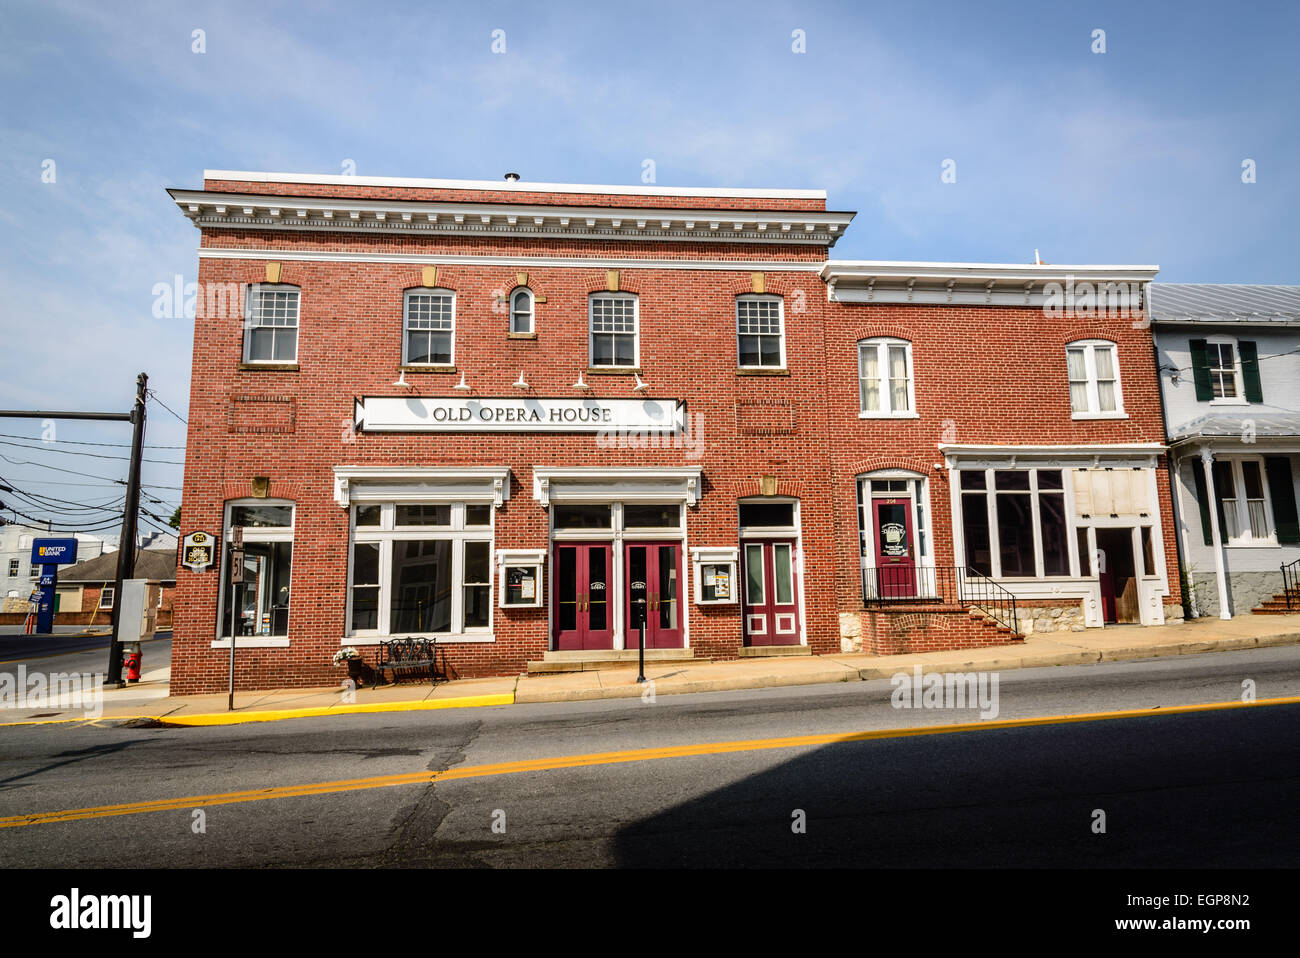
x=236 y=566
x=54 y=551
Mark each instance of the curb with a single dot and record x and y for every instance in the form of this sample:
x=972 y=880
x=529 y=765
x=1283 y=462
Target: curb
x=840 y=674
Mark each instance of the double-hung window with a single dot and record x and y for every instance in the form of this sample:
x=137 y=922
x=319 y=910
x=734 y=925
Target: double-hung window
x=1243 y=501
x=613 y=321
x=1224 y=378
x=13 y=567
x=1094 y=380
x=760 y=339
x=1225 y=370
x=271 y=324
x=885 y=378
x=421 y=569
x=106 y=596
x=521 y=311
x=430 y=328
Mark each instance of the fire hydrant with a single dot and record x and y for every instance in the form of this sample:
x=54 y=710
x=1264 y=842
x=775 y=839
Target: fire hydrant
x=131 y=661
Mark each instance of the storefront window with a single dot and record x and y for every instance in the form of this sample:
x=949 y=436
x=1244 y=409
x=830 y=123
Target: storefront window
x=1025 y=508
x=434 y=580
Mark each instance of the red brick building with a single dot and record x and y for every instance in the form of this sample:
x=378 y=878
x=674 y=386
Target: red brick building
x=519 y=416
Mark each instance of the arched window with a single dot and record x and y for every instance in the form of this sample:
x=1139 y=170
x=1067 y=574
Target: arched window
x=521 y=310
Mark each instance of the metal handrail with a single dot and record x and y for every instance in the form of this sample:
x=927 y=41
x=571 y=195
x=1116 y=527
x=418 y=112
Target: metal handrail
x=952 y=585
x=1291 y=583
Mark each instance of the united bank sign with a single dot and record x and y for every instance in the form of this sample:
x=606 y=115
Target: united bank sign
x=438 y=414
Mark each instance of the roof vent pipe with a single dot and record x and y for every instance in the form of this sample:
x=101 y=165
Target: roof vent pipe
x=512 y=177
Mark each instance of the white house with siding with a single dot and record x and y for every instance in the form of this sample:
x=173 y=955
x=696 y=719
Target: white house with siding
x=1229 y=360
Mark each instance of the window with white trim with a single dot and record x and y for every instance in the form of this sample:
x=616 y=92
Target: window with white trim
x=1225 y=371
x=759 y=332
x=13 y=567
x=1094 y=379
x=1244 y=501
x=106 y=596
x=271 y=324
x=613 y=319
x=261 y=601
x=521 y=310
x=420 y=569
x=1014 y=522
x=885 y=378
x=429 y=328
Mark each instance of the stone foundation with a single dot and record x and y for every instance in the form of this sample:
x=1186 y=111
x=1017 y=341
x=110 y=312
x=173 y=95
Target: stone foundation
x=1246 y=590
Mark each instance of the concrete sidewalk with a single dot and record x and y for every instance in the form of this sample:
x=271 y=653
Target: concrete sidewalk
x=149 y=700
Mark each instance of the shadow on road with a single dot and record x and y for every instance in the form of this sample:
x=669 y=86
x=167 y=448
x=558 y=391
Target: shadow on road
x=1216 y=789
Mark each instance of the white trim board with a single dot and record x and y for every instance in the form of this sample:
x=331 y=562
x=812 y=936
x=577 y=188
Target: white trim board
x=519 y=186
x=449 y=259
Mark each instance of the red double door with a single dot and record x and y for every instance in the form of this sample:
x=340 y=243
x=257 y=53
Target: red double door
x=585 y=600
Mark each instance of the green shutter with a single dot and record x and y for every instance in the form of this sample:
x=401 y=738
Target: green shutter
x=1202 y=500
x=1201 y=371
x=1282 y=490
x=1250 y=370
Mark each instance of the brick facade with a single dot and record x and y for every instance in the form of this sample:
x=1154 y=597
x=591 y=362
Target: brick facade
x=995 y=374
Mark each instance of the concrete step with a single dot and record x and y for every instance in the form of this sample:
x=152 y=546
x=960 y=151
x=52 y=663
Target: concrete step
x=768 y=651
x=588 y=660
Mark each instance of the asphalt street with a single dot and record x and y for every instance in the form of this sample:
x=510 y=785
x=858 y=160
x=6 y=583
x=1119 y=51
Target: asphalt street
x=1214 y=788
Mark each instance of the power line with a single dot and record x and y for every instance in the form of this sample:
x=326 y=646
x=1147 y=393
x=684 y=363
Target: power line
x=84 y=475
x=153 y=394
x=81 y=442
x=93 y=455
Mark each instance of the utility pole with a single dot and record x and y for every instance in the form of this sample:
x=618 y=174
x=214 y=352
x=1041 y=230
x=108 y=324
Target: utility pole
x=126 y=545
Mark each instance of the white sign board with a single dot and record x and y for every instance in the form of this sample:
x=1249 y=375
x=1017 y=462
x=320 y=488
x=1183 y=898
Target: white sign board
x=455 y=414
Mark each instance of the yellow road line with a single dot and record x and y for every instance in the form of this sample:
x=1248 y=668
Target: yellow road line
x=598 y=758
x=275 y=715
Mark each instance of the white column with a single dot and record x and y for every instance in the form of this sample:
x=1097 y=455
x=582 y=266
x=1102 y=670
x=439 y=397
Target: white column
x=1207 y=463
x=1179 y=500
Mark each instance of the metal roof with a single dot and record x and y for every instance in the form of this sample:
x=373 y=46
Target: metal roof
x=1277 y=425
x=1207 y=303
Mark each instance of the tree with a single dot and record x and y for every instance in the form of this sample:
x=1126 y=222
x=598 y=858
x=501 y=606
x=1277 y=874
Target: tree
x=175 y=520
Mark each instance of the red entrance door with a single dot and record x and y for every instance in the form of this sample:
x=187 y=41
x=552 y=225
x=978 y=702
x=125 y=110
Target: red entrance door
x=654 y=587
x=895 y=555
x=583 y=615
x=771 y=603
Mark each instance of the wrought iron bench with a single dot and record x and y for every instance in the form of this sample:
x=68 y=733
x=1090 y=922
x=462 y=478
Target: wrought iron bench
x=406 y=654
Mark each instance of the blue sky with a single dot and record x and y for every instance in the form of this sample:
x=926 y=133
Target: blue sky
x=1133 y=155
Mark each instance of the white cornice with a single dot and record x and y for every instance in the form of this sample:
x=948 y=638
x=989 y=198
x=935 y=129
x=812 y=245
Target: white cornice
x=450 y=259
x=209 y=210
x=988 y=284
x=1077 y=455
x=616 y=483
x=338 y=179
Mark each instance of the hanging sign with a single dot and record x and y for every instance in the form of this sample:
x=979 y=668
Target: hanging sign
x=198 y=551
